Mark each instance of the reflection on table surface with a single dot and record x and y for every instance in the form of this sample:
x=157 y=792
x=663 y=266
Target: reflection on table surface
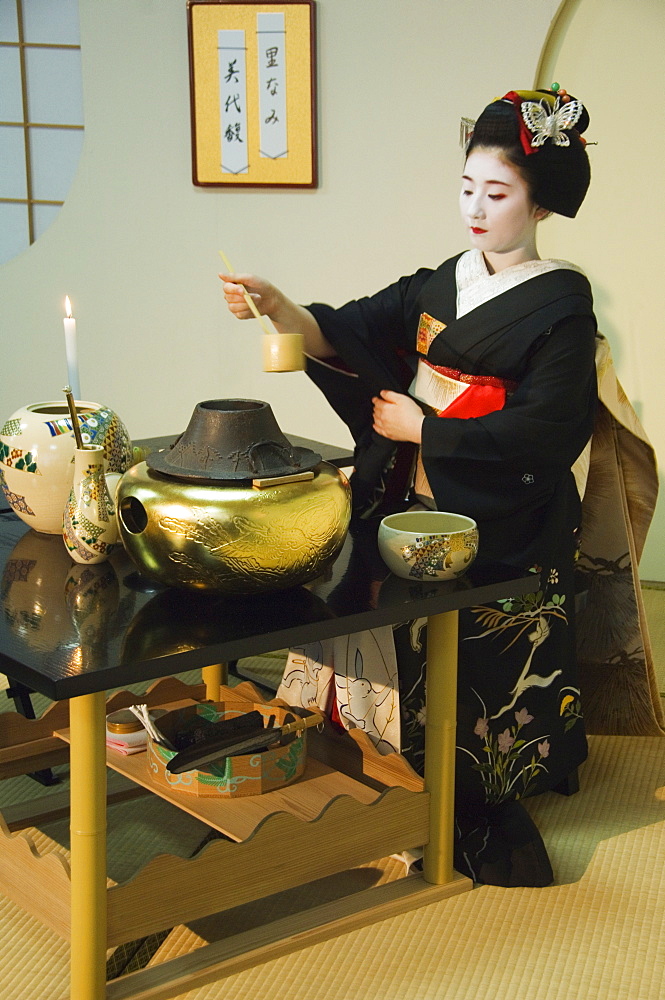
x=67 y=629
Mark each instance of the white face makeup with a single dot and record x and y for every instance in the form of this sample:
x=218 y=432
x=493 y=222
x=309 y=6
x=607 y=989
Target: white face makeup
x=498 y=211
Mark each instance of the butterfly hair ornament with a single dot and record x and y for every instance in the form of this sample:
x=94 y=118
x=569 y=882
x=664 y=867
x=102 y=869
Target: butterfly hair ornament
x=546 y=123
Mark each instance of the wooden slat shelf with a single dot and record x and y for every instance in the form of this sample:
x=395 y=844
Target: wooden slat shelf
x=239 y=818
x=284 y=851
x=305 y=799
x=368 y=811
x=169 y=890
x=278 y=937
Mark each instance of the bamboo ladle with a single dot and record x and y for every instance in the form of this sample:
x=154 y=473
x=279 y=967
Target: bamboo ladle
x=282 y=352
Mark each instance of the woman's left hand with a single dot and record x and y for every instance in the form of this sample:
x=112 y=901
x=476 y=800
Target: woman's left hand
x=397 y=417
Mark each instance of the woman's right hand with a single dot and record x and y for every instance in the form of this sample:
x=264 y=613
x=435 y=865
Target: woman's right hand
x=287 y=317
x=265 y=295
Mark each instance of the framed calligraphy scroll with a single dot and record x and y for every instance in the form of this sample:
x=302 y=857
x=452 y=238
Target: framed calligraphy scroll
x=252 y=90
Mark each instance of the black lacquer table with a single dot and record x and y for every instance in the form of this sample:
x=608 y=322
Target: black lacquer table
x=73 y=632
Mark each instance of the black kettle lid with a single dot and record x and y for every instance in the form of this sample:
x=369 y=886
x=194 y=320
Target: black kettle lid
x=232 y=439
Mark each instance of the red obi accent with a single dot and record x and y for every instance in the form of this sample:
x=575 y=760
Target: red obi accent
x=476 y=401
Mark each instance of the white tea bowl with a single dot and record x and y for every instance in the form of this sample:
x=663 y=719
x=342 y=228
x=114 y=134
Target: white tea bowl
x=428 y=544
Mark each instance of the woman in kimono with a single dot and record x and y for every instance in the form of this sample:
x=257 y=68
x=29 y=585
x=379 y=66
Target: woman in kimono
x=472 y=388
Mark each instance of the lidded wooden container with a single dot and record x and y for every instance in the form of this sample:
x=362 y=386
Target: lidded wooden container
x=245 y=774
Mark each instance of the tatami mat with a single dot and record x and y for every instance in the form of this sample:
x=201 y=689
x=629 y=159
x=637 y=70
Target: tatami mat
x=622 y=790
x=598 y=937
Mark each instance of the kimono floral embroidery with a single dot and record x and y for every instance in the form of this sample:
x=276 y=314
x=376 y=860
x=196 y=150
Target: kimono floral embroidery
x=529 y=614
x=570 y=708
x=520 y=613
x=511 y=763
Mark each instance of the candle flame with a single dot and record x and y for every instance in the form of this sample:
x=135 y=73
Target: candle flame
x=68 y=307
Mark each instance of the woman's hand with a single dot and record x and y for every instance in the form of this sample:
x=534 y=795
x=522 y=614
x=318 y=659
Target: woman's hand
x=262 y=292
x=287 y=316
x=397 y=417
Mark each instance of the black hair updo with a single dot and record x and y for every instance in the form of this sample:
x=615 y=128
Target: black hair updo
x=557 y=175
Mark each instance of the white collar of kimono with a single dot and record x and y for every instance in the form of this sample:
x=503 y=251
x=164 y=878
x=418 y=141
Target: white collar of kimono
x=475 y=284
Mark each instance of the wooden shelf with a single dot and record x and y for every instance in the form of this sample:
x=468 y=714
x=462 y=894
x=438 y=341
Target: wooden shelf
x=305 y=799
x=279 y=937
x=283 y=851
x=324 y=823
x=239 y=818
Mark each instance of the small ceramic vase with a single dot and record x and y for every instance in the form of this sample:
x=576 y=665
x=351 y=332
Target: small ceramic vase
x=36 y=456
x=89 y=528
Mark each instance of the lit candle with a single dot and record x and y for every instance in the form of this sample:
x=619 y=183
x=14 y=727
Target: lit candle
x=70 y=348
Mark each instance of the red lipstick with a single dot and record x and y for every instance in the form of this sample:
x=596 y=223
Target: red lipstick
x=476 y=231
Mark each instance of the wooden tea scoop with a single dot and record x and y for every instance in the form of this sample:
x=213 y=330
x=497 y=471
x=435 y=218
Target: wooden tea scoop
x=198 y=756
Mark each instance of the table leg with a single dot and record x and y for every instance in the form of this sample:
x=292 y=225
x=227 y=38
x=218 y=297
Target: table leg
x=440 y=740
x=88 y=846
x=213 y=677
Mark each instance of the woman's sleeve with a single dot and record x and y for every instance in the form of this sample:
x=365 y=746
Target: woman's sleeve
x=544 y=425
x=371 y=337
x=376 y=329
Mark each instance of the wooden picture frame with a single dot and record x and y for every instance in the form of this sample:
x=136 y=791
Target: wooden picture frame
x=252 y=93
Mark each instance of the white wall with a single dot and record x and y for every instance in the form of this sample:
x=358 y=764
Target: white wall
x=611 y=55
x=135 y=245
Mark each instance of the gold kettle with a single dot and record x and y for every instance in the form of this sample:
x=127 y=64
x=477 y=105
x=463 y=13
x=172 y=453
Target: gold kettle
x=233 y=506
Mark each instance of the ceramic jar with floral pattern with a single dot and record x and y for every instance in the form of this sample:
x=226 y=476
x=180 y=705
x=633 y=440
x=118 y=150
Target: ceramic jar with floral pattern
x=37 y=456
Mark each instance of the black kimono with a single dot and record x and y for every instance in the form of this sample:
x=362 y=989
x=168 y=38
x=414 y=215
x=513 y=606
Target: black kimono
x=520 y=729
